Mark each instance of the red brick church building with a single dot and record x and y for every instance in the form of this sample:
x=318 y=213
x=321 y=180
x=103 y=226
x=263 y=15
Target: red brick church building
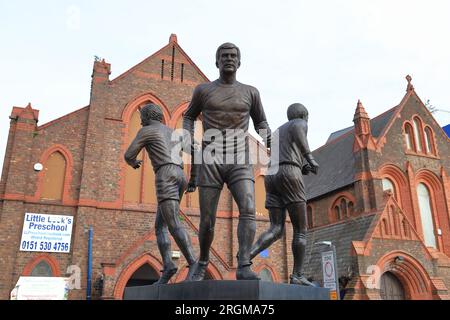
x=382 y=195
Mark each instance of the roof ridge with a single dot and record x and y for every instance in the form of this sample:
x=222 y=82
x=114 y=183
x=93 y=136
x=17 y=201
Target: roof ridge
x=335 y=140
x=400 y=107
x=192 y=62
x=344 y=134
x=432 y=117
x=123 y=74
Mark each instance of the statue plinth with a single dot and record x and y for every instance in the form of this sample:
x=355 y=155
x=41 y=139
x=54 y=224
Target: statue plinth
x=226 y=290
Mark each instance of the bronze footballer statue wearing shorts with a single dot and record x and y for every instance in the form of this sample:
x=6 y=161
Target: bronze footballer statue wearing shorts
x=285 y=189
x=171 y=183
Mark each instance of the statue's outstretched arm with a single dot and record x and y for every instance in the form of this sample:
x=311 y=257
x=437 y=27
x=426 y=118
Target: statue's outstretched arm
x=135 y=147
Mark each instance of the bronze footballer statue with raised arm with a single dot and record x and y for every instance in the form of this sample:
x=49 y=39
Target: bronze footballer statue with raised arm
x=160 y=143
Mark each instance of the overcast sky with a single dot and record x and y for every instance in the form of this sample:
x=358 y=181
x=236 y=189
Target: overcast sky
x=326 y=54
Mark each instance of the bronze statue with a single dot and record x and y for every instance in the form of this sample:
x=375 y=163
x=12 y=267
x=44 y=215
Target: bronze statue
x=285 y=188
x=226 y=106
x=171 y=183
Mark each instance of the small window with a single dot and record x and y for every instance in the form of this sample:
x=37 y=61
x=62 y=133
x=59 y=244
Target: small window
x=417 y=135
x=395 y=217
x=429 y=145
x=344 y=208
x=42 y=269
x=409 y=137
x=351 y=208
x=388 y=185
x=337 y=213
x=385 y=227
x=405 y=228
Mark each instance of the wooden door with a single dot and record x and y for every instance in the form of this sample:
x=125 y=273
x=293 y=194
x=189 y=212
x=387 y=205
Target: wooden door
x=391 y=288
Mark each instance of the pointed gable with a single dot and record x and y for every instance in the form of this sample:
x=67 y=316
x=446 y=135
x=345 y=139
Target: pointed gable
x=410 y=105
x=336 y=159
x=169 y=63
x=392 y=223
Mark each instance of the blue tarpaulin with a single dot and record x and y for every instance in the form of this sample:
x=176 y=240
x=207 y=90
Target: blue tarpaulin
x=447 y=130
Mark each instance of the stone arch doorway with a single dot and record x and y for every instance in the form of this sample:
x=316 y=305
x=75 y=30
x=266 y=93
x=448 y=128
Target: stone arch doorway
x=391 y=288
x=145 y=261
x=407 y=270
x=145 y=275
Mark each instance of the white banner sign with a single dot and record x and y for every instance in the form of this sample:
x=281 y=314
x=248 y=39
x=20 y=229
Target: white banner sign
x=46 y=233
x=329 y=274
x=40 y=288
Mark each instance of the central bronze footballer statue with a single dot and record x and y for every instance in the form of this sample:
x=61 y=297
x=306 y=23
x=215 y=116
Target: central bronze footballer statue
x=226 y=106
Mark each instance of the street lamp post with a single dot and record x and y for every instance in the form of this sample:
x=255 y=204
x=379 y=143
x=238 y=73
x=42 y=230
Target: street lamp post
x=336 y=274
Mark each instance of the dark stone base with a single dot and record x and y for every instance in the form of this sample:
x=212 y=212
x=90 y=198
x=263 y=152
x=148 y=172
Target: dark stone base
x=226 y=290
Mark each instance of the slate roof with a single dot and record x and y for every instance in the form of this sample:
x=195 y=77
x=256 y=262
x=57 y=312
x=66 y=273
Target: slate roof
x=341 y=234
x=336 y=160
x=379 y=123
x=337 y=167
x=338 y=133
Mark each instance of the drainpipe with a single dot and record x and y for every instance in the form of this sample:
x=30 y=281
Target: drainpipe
x=89 y=271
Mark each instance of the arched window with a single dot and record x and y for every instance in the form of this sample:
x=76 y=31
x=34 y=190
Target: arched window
x=337 y=213
x=388 y=185
x=409 y=137
x=395 y=218
x=429 y=142
x=139 y=183
x=351 y=209
x=426 y=215
x=393 y=179
x=344 y=208
x=310 y=218
x=260 y=196
x=266 y=275
x=54 y=176
x=405 y=228
x=385 y=227
x=42 y=269
x=194 y=196
x=417 y=135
